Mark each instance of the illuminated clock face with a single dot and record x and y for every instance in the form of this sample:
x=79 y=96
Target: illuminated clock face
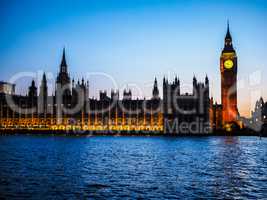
x=228 y=64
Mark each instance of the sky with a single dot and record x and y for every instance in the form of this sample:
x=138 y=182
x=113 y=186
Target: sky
x=127 y=43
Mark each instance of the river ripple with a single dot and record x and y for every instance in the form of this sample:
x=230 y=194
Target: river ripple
x=46 y=167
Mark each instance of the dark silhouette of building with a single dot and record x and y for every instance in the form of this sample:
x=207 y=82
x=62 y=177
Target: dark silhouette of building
x=43 y=96
x=258 y=119
x=32 y=90
x=216 y=116
x=155 y=92
x=63 y=91
x=71 y=108
x=187 y=109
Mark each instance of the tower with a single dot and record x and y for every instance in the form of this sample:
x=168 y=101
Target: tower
x=80 y=94
x=63 y=79
x=43 y=95
x=63 y=92
x=32 y=92
x=228 y=68
x=195 y=85
x=155 y=92
x=177 y=86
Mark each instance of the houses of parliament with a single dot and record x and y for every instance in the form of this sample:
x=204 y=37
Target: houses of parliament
x=71 y=108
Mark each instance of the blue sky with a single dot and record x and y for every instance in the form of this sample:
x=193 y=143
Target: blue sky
x=134 y=41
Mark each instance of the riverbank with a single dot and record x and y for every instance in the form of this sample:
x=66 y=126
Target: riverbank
x=125 y=133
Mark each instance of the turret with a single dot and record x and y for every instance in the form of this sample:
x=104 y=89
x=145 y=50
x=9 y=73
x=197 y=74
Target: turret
x=194 y=81
x=114 y=95
x=206 y=81
x=155 y=93
x=177 y=85
x=73 y=85
x=32 y=90
x=176 y=80
x=127 y=95
x=194 y=85
x=63 y=65
x=63 y=79
x=102 y=95
x=83 y=82
x=42 y=100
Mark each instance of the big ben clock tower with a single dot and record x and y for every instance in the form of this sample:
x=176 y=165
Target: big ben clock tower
x=228 y=68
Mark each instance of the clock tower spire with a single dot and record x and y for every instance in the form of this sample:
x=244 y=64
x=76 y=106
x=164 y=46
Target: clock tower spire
x=228 y=68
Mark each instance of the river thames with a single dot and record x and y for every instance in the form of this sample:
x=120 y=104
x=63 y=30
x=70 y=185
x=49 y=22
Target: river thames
x=47 y=167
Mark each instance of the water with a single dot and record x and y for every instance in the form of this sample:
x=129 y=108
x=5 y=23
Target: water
x=46 y=167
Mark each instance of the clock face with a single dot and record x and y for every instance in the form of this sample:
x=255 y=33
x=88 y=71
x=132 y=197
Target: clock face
x=228 y=64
